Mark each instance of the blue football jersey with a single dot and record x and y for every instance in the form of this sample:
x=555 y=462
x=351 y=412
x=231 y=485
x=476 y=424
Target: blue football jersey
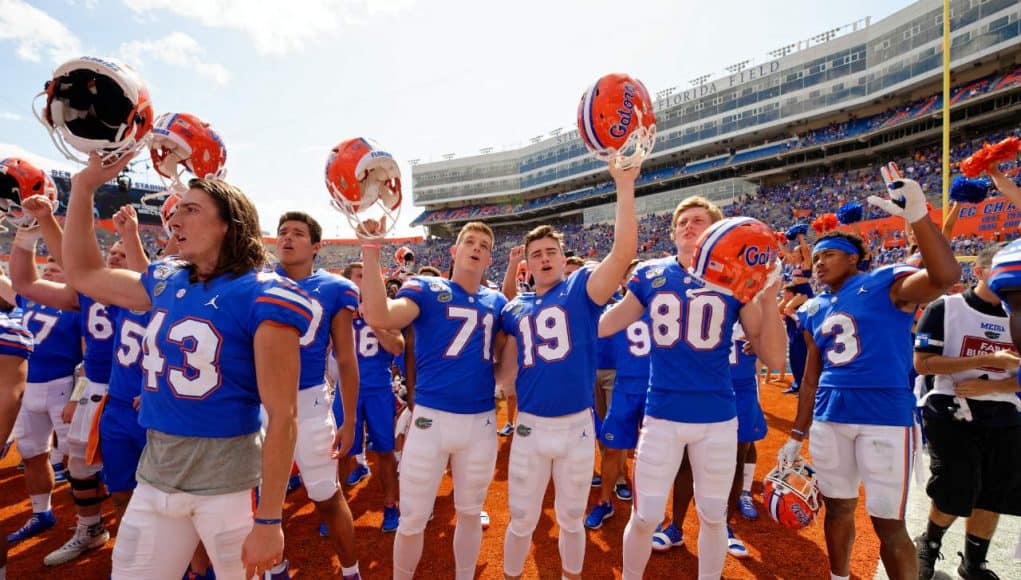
x=691 y=328
x=126 y=373
x=15 y=340
x=865 y=343
x=329 y=295
x=632 y=347
x=98 y=330
x=742 y=366
x=454 y=334
x=373 y=362
x=1005 y=271
x=199 y=356
x=556 y=335
x=57 y=339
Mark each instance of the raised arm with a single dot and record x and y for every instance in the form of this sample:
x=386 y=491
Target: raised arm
x=392 y=341
x=41 y=209
x=1005 y=185
x=83 y=261
x=126 y=222
x=378 y=310
x=620 y=315
x=25 y=279
x=605 y=280
x=7 y=289
x=765 y=329
x=510 y=277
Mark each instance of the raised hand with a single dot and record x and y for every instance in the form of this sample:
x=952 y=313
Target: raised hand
x=126 y=221
x=904 y=196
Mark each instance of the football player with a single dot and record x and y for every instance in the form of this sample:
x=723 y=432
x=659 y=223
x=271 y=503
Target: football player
x=334 y=301
x=223 y=338
x=376 y=407
x=57 y=346
x=97 y=325
x=856 y=403
x=454 y=323
x=690 y=406
x=16 y=345
x=552 y=338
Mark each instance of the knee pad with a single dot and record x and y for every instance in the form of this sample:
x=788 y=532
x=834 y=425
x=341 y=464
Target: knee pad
x=87 y=491
x=76 y=467
x=570 y=518
x=649 y=512
x=712 y=510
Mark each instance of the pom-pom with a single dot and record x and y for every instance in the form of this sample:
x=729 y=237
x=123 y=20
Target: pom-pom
x=850 y=213
x=796 y=230
x=829 y=221
x=966 y=190
x=781 y=238
x=990 y=154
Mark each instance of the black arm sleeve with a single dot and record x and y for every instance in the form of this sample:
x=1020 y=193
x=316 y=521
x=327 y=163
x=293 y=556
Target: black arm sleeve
x=929 y=331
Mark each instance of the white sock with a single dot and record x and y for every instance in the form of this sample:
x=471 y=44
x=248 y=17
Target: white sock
x=835 y=577
x=349 y=570
x=407 y=553
x=40 y=503
x=749 y=477
x=89 y=520
x=278 y=568
x=360 y=458
x=3 y=572
x=467 y=544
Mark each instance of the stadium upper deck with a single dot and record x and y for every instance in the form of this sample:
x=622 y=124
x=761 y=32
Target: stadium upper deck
x=857 y=68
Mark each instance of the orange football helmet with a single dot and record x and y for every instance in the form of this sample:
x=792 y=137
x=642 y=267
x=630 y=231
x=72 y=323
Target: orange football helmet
x=615 y=119
x=405 y=259
x=792 y=495
x=19 y=180
x=359 y=176
x=168 y=208
x=96 y=105
x=183 y=141
x=737 y=256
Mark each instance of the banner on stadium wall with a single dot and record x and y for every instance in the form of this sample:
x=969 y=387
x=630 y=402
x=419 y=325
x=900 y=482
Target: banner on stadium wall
x=987 y=220
x=801 y=213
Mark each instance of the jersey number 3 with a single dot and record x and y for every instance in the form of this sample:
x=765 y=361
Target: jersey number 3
x=846 y=345
x=199 y=345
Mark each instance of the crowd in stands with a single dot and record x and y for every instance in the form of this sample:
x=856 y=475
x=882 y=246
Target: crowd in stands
x=831 y=133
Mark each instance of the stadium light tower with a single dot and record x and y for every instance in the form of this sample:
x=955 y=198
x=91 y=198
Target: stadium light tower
x=738 y=67
x=783 y=51
x=448 y=156
x=413 y=162
x=665 y=93
x=699 y=81
x=536 y=139
x=486 y=150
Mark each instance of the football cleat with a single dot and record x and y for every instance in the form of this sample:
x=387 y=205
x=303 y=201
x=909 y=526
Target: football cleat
x=392 y=518
x=85 y=538
x=615 y=120
x=37 y=524
x=598 y=515
x=666 y=538
x=746 y=506
x=622 y=491
x=359 y=473
x=96 y=105
x=736 y=547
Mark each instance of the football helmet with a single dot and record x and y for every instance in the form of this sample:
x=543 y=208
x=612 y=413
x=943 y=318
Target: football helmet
x=360 y=176
x=183 y=141
x=19 y=180
x=405 y=259
x=168 y=208
x=615 y=119
x=1005 y=271
x=792 y=495
x=96 y=105
x=737 y=256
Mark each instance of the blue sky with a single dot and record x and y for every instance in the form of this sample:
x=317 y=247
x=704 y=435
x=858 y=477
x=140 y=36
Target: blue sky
x=283 y=81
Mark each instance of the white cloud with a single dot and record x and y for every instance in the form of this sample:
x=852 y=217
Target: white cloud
x=274 y=27
x=9 y=116
x=176 y=49
x=37 y=33
x=41 y=161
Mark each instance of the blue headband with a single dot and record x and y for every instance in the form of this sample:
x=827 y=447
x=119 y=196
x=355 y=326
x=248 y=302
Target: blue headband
x=835 y=243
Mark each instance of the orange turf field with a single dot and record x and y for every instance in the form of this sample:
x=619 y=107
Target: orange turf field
x=776 y=551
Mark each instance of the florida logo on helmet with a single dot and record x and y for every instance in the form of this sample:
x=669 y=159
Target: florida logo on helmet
x=616 y=121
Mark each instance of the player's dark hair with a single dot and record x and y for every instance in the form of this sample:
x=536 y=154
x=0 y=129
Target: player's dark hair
x=351 y=267
x=855 y=239
x=315 y=231
x=545 y=232
x=242 y=249
x=429 y=271
x=575 y=261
